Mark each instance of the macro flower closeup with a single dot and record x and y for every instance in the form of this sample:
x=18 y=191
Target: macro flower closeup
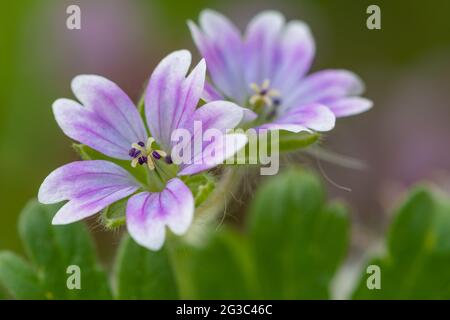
x=266 y=71
x=248 y=170
x=109 y=122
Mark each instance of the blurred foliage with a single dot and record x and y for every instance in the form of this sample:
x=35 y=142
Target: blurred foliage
x=291 y=249
x=39 y=57
x=298 y=239
x=283 y=254
x=144 y=274
x=51 y=250
x=417 y=262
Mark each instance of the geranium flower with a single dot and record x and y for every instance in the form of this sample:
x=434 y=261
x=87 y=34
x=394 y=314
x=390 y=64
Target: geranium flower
x=265 y=70
x=110 y=123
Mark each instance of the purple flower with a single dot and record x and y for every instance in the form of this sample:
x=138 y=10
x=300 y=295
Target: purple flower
x=265 y=70
x=108 y=121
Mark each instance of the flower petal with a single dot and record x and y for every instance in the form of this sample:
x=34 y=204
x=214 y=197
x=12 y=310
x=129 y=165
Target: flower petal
x=214 y=119
x=262 y=47
x=215 y=153
x=297 y=49
x=324 y=86
x=311 y=116
x=89 y=186
x=220 y=43
x=171 y=98
x=210 y=93
x=349 y=106
x=296 y=128
x=108 y=122
x=249 y=115
x=149 y=213
x=221 y=115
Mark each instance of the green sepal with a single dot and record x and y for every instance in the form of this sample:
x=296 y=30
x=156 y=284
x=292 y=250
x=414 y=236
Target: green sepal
x=114 y=216
x=290 y=141
x=201 y=186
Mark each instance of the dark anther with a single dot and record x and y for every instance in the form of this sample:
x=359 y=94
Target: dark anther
x=168 y=159
x=156 y=155
x=142 y=160
x=263 y=92
x=276 y=101
x=132 y=152
x=141 y=144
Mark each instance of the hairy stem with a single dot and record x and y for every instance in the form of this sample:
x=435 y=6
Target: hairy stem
x=208 y=213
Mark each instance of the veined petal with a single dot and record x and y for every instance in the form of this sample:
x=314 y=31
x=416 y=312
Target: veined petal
x=149 y=213
x=324 y=86
x=221 y=115
x=108 y=121
x=311 y=116
x=349 y=106
x=171 y=98
x=208 y=129
x=89 y=186
x=220 y=43
x=262 y=46
x=297 y=49
x=216 y=115
x=215 y=153
x=210 y=94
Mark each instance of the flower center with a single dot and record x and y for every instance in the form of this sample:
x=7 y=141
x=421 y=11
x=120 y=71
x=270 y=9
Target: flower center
x=265 y=100
x=144 y=154
x=264 y=95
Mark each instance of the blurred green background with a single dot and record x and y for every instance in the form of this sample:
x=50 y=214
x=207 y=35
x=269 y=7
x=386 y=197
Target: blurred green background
x=405 y=66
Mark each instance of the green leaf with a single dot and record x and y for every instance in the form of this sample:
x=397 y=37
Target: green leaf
x=178 y=269
x=144 y=274
x=19 y=278
x=298 y=241
x=220 y=269
x=52 y=249
x=417 y=262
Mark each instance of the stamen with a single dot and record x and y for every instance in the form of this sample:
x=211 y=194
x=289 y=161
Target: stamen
x=132 y=152
x=266 y=84
x=142 y=160
x=264 y=95
x=156 y=155
x=150 y=164
x=144 y=153
x=254 y=87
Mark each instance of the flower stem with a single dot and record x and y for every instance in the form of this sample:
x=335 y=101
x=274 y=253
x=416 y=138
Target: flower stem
x=208 y=213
